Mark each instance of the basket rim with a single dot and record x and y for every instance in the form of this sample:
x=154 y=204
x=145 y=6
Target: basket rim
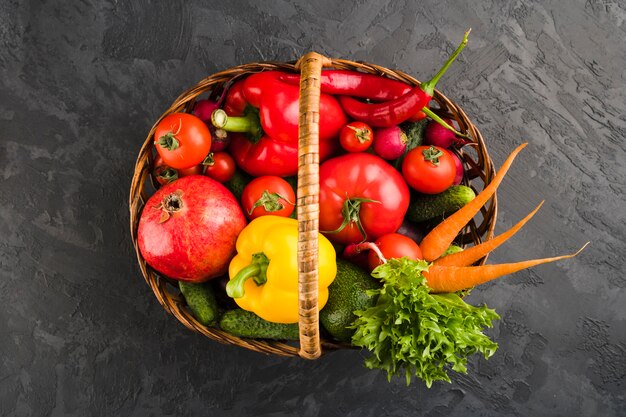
x=175 y=305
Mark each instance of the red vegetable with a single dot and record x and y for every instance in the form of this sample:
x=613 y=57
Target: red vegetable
x=356 y=84
x=394 y=245
x=460 y=171
x=437 y=135
x=182 y=140
x=220 y=166
x=396 y=111
x=268 y=194
x=356 y=137
x=266 y=109
x=188 y=228
x=164 y=174
x=429 y=169
x=390 y=142
x=362 y=197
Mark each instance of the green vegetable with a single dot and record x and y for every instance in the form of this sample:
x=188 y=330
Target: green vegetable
x=416 y=333
x=425 y=207
x=244 y=323
x=237 y=183
x=414 y=132
x=452 y=249
x=347 y=293
x=201 y=301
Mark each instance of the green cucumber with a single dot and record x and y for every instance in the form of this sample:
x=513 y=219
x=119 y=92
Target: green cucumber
x=424 y=207
x=201 y=301
x=347 y=294
x=244 y=323
x=237 y=183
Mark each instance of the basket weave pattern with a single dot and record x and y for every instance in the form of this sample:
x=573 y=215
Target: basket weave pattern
x=479 y=172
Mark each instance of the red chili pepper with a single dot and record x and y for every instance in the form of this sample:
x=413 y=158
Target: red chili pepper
x=356 y=84
x=393 y=112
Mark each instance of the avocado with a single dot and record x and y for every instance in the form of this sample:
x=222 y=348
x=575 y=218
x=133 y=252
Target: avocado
x=244 y=323
x=424 y=207
x=347 y=293
x=201 y=301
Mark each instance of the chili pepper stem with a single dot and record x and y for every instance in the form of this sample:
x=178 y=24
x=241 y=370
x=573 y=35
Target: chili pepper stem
x=256 y=270
x=443 y=123
x=429 y=86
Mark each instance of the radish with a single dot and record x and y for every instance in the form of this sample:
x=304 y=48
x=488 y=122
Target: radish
x=460 y=172
x=437 y=135
x=389 y=142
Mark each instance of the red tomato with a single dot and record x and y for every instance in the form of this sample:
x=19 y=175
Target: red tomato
x=429 y=169
x=268 y=194
x=220 y=166
x=394 y=245
x=356 y=137
x=360 y=189
x=164 y=174
x=182 y=140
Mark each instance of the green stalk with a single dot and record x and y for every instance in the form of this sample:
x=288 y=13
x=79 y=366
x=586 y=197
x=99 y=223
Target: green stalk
x=257 y=270
x=429 y=86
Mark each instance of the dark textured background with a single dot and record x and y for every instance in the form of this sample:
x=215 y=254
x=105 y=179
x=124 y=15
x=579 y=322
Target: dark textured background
x=82 y=335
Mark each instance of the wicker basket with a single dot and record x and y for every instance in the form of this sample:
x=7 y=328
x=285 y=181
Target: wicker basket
x=479 y=172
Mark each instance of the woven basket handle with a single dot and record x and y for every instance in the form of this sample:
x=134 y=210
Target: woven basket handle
x=308 y=202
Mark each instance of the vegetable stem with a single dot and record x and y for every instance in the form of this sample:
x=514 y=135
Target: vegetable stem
x=257 y=270
x=429 y=86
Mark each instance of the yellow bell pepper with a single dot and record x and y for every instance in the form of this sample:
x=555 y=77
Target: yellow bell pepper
x=264 y=273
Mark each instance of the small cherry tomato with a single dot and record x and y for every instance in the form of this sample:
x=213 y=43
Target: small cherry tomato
x=356 y=137
x=268 y=194
x=394 y=245
x=220 y=166
x=182 y=140
x=164 y=174
x=429 y=169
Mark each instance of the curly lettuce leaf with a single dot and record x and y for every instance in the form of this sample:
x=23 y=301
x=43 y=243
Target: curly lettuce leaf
x=412 y=332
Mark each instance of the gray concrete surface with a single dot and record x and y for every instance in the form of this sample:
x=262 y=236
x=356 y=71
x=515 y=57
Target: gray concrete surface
x=81 y=83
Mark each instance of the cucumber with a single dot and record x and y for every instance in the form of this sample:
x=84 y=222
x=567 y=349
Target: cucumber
x=237 y=183
x=201 y=301
x=347 y=293
x=424 y=207
x=244 y=323
x=452 y=249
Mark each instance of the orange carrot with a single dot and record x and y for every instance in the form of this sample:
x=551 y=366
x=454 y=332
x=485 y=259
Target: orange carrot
x=471 y=255
x=445 y=279
x=437 y=241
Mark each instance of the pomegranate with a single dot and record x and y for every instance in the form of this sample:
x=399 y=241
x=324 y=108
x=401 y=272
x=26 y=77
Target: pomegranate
x=188 y=228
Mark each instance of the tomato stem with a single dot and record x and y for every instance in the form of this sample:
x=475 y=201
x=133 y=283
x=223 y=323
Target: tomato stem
x=351 y=214
x=168 y=141
x=257 y=270
x=270 y=202
x=362 y=134
x=432 y=155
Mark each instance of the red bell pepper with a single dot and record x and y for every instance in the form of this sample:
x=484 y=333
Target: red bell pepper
x=267 y=111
